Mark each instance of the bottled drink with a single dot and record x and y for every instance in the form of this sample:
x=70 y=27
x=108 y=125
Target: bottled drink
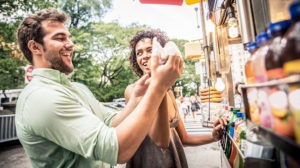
x=228 y=143
x=238 y=129
x=239 y=116
x=266 y=117
x=291 y=63
x=260 y=73
x=233 y=118
x=259 y=58
x=273 y=63
x=234 y=153
x=253 y=105
x=291 y=51
x=252 y=48
x=282 y=119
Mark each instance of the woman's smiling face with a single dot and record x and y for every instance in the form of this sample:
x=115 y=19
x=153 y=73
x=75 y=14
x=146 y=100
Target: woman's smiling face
x=143 y=51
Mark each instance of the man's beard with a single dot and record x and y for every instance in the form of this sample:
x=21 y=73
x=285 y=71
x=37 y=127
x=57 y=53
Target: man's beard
x=58 y=64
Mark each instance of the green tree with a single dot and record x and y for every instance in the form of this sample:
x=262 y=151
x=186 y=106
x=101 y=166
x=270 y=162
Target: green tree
x=11 y=59
x=12 y=11
x=107 y=44
x=189 y=79
x=84 y=12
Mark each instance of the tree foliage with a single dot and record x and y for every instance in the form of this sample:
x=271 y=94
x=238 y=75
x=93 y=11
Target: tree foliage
x=188 y=79
x=12 y=12
x=107 y=45
x=11 y=59
x=101 y=49
x=83 y=12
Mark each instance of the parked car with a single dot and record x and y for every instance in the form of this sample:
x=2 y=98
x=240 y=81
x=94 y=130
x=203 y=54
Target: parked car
x=110 y=106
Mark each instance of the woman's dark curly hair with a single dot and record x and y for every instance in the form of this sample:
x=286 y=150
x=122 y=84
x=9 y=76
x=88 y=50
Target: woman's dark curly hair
x=142 y=34
x=237 y=87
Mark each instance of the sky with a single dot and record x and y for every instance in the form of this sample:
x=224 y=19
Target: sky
x=177 y=21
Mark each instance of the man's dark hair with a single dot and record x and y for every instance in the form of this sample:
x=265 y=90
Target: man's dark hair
x=31 y=28
x=142 y=34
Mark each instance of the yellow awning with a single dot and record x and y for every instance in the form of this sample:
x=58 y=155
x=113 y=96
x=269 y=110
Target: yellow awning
x=191 y=2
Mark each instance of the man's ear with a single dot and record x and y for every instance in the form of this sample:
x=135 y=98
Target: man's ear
x=34 y=47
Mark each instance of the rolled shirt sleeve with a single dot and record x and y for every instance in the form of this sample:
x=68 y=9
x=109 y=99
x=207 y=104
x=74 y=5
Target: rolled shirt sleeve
x=64 y=120
x=99 y=109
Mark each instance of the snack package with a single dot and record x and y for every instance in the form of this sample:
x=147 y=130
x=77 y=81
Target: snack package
x=170 y=49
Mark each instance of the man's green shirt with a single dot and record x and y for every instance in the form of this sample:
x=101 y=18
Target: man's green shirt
x=61 y=124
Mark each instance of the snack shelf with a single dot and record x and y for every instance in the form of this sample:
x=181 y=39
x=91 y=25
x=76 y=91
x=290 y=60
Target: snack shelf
x=248 y=162
x=285 y=144
x=288 y=80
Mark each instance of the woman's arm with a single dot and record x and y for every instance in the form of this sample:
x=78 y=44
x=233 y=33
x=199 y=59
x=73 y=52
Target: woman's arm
x=188 y=140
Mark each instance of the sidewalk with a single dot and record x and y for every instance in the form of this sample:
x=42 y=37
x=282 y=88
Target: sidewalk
x=12 y=155
x=206 y=156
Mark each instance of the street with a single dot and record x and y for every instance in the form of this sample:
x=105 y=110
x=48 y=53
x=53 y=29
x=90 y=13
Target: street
x=207 y=156
x=12 y=155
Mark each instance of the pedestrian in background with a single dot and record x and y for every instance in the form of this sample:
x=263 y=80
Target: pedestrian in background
x=198 y=101
x=194 y=106
x=238 y=100
x=184 y=107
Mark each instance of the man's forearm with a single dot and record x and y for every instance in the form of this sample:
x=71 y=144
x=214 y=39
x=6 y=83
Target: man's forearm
x=160 y=129
x=133 y=129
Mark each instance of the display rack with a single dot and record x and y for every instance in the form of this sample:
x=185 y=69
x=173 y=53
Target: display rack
x=248 y=162
x=287 y=145
x=286 y=81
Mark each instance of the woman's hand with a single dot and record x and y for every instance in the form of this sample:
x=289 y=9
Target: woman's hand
x=140 y=88
x=219 y=128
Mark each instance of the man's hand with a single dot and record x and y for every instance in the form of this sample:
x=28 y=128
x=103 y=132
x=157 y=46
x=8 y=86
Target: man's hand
x=166 y=74
x=219 y=128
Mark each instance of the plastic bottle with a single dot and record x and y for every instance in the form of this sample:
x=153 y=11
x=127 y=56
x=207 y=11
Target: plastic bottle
x=239 y=116
x=234 y=156
x=241 y=132
x=260 y=73
x=258 y=59
x=273 y=63
x=291 y=50
x=291 y=64
x=233 y=118
x=282 y=118
x=228 y=143
x=250 y=78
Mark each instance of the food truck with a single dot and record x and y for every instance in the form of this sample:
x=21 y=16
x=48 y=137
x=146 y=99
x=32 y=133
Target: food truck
x=261 y=35
x=255 y=42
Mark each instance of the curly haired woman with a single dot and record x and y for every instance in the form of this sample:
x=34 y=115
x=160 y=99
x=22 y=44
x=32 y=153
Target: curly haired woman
x=163 y=146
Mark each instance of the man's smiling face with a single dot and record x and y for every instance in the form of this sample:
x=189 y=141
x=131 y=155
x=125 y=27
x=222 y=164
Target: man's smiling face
x=58 y=47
